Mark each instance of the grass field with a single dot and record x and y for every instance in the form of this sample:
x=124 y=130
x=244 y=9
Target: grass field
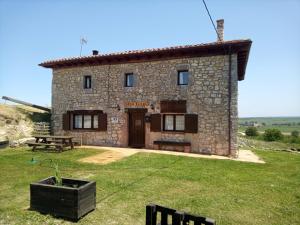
x=228 y=191
x=274 y=122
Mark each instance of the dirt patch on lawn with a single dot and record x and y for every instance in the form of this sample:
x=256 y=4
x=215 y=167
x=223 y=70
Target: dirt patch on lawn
x=113 y=154
x=104 y=158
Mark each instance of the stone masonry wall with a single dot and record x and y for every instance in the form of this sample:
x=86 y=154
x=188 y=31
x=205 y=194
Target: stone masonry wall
x=206 y=95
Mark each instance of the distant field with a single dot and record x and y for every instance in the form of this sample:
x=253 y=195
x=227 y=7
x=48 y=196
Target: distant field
x=284 y=124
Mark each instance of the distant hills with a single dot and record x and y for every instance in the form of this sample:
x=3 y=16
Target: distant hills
x=285 y=124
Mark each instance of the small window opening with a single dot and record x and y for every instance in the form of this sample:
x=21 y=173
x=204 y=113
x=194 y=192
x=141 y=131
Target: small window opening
x=129 y=79
x=87 y=82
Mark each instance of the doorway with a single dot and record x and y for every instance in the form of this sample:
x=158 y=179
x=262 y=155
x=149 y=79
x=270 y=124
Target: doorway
x=136 y=127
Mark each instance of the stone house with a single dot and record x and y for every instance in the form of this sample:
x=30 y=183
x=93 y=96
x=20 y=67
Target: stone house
x=180 y=98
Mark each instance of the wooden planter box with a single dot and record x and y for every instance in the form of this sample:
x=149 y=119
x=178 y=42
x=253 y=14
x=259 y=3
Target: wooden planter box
x=72 y=200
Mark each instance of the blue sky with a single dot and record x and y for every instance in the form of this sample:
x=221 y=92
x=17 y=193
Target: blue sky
x=33 y=31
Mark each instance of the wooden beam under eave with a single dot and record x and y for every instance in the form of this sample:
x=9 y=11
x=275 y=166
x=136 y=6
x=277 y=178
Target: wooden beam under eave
x=94 y=63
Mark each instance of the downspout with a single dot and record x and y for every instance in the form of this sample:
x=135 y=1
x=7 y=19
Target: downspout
x=229 y=102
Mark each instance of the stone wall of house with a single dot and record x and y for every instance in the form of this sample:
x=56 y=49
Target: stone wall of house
x=206 y=95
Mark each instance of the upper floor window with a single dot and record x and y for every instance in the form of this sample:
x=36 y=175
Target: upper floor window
x=87 y=82
x=183 y=77
x=129 y=79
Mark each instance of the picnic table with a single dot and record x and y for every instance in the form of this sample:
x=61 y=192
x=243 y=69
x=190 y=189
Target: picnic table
x=58 y=142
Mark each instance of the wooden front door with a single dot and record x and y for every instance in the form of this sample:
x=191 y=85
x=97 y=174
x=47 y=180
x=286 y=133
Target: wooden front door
x=136 y=129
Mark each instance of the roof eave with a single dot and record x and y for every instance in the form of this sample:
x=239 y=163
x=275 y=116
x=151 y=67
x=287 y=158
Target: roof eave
x=240 y=47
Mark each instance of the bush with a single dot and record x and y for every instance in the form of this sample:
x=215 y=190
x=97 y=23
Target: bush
x=272 y=135
x=295 y=133
x=251 y=131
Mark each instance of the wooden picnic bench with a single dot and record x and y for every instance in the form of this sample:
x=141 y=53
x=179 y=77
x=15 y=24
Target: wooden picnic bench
x=47 y=141
x=34 y=145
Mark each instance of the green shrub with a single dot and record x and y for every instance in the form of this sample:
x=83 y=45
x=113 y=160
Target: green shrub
x=272 y=135
x=295 y=133
x=251 y=131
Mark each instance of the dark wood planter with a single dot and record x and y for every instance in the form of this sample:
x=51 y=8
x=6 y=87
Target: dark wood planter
x=4 y=144
x=72 y=200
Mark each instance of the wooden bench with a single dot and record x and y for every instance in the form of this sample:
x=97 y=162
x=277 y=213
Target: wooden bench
x=57 y=146
x=185 y=144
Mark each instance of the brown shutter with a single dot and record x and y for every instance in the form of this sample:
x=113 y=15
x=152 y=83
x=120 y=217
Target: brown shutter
x=170 y=106
x=191 y=123
x=66 y=121
x=155 y=123
x=102 y=122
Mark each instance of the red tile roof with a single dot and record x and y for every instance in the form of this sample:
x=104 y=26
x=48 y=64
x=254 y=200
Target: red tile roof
x=239 y=47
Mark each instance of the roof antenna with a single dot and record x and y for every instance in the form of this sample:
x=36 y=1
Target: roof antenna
x=82 y=42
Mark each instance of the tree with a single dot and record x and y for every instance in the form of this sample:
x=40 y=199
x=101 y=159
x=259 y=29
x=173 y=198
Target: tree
x=295 y=133
x=251 y=131
x=272 y=135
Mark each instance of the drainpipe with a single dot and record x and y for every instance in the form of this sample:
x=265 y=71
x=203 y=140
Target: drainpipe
x=229 y=102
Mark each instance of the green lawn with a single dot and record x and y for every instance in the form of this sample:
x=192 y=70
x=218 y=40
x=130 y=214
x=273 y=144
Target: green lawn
x=228 y=191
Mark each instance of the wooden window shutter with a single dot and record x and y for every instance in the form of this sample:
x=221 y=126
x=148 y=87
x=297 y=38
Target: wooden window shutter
x=155 y=123
x=170 y=106
x=66 y=121
x=191 y=123
x=102 y=122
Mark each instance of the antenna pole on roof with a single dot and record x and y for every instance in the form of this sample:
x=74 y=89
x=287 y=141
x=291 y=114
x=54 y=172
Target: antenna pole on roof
x=82 y=42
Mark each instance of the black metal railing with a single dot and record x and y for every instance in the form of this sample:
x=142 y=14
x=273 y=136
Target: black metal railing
x=175 y=217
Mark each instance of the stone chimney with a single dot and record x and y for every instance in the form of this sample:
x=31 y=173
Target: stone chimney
x=220 y=29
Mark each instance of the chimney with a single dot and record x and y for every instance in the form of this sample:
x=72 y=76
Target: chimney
x=95 y=52
x=220 y=29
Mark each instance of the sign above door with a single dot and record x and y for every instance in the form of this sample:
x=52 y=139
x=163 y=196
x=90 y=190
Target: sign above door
x=136 y=104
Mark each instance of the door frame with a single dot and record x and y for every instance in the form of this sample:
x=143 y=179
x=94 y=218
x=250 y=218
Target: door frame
x=140 y=110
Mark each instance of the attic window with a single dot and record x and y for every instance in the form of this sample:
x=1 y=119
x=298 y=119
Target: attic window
x=87 y=82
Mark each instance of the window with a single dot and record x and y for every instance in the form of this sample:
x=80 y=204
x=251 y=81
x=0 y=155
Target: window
x=129 y=78
x=85 y=121
x=179 y=122
x=183 y=77
x=77 y=121
x=169 y=122
x=174 y=122
x=87 y=82
x=95 y=122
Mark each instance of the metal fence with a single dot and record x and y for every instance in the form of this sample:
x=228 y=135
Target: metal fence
x=177 y=218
